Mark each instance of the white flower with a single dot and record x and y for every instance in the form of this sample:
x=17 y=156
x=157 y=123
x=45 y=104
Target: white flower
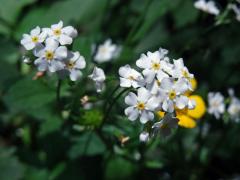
x=216 y=104
x=153 y=63
x=130 y=77
x=141 y=105
x=98 y=76
x=234 y=106
x=165 y=126
x=51 y=56
x=74 y=63
x=155 y=85
x=106 y=52
x=30 y=41
x=144 y=136
x=62 y=34
x=172 y=91
x=236 y=10
x=207 y=6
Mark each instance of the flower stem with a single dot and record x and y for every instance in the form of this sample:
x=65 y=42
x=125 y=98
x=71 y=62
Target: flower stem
x=107 y=113
x=58 y=91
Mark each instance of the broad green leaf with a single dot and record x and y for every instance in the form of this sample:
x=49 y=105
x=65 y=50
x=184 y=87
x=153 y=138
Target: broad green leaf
x=28 y=94
x=89 y=144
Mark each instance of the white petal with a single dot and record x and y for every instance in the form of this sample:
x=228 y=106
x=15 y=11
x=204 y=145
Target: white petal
x=125 y=82
x=51 y=44
x=61 y=52
x=124 y=71
x=70 y=31
x=75 y=74
x=55 y=66
x=167 y=84
x=131 y=99
x=41 y=64
x=149 y=75
x=35 y=31
x=64 y=39
x=80 y=63
x=143 y=94
x=181 y=102
x=146 y=116
x=57 y=26
x=131 y=113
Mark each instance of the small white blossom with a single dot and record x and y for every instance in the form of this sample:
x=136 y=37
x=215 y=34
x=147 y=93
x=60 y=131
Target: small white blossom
x=130 y=77
x=62 y=34
x=30 y=41
x=207 y=6
x=153 y=63
x=144 y=136
x=165 y=126
x=216 y=104
x=143 y=104
x=98 y=76
x=26 y=60
x=172 y=91
x=51 y=56
x=106 y=52
x=234 y=106
x=74 y=63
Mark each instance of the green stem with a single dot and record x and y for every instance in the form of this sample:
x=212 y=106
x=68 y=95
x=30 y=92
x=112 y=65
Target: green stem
x=58 y=93
x=107 y=113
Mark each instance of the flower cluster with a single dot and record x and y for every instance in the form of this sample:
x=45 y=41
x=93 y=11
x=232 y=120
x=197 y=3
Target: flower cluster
x=218 y=105
x=161 y=86
x=49 y=47
x=207 y=6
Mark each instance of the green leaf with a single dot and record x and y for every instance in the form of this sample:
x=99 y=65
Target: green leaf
x=186 y=14
x=8 y=50
x=116 y=164
x=80 y=11
x=11 y=168
x=10 y=9
x=27 y=94
x=35 y=174
x=155 y=11
x=88 y=144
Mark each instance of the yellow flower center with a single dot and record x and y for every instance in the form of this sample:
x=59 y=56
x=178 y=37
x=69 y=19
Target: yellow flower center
x=185 y=74
x=34 y=39
x=156 y=66
x=49 y=55
x=140 y=106
x=103 y=50
x=57 y=32
x=172 y=94
x=131 y=78
x=70 y=65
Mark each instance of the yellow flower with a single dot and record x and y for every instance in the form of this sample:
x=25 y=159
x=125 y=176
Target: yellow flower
x=187 y=118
